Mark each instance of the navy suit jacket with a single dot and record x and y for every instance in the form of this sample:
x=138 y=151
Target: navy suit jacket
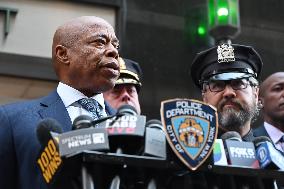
x=19 y=146
x=261 y=131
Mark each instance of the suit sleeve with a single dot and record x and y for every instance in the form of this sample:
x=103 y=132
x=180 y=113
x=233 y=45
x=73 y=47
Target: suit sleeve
x=8 y=160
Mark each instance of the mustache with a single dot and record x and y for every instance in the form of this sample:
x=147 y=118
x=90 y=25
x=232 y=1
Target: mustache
x=234 y=102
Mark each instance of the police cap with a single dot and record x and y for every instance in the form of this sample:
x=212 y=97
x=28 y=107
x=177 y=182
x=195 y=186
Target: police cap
x=226 y=62
x=130 y=73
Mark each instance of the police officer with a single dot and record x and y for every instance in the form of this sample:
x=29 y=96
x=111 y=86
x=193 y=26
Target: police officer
x=127 y=86
x=228 y=78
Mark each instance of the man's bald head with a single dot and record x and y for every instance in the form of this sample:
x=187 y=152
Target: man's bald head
x=268 y=81
x=272 y=100
x=85 y=54
x=71 y=31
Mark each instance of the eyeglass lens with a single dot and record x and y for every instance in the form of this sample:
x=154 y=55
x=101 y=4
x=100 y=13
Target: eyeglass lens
x=236 y=84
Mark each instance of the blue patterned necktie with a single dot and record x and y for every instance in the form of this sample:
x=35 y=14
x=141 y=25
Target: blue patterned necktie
x=92 y=106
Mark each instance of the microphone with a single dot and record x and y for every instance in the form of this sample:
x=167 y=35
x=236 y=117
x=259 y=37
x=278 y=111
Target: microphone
x=268 y=156
x=126 y=130
x=219 y=154
x=46 y=129
x=155 y=139
x=122 y=110
x=49 y=160
x=231 y=135
x=127 y=109
x=83 y=137
x=82 y=121
x=239 y=153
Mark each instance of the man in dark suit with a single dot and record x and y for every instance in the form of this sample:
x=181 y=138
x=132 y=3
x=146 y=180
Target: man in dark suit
x=127 y=86
x=85 y=59
x=271 y=98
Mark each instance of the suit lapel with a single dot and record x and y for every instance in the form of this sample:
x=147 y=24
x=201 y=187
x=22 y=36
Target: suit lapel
x=109 y=109
x=261 y=131
x=53 y=107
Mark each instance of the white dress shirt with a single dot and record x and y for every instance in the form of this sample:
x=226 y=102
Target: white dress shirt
x=275 y=134
x=70 y=96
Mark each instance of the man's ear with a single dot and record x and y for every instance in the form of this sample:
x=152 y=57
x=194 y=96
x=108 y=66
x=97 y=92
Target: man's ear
x=260 y=103
x=204 y=97
x=256 y=94
x=61 y=54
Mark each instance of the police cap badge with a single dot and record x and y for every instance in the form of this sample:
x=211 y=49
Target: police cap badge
x=226 y=62
x=130 y=73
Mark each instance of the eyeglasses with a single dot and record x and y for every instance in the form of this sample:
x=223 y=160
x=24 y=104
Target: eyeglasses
x=236 y=84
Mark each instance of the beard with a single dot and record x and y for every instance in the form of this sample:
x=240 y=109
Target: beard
x=234 y=119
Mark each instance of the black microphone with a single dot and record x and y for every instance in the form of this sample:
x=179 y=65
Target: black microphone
x=82 y=121
x=155 y=139
x=126 y=131
x=239 y=153
x=268 y=156
x=85 y=121
x=127 y=109
x=45 y=129
x=231 y=135
x=123 y=110
x=49 y=160
x=83 y=137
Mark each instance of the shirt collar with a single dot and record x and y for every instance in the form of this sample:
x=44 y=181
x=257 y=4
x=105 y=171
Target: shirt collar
x=274 y=133
x=69 y=95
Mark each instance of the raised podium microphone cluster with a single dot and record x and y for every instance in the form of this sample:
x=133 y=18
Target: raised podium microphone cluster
x=125 y=134
x=93 y=154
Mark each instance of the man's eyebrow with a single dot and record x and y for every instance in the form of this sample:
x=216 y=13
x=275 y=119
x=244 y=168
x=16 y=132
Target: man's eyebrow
x=98 y=35
x=115 y=40
x=105 y=36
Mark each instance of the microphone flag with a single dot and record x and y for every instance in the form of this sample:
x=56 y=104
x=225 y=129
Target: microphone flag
x=76 y=141
x=191 y=129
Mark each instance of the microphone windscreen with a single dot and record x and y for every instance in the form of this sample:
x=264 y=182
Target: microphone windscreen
x=155 y=139
x=82 y=121
x=260 y=140
x=127 y=109
x=154 y=123
x=231 y=135
x=45 y=127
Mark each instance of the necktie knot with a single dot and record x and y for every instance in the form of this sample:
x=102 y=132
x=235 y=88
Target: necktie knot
x=281 y=139
x=92 y=106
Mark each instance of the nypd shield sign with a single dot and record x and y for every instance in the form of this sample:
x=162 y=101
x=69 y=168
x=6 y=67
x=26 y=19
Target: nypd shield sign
x=191 y=128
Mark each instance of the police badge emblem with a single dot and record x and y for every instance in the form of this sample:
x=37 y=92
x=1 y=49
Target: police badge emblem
x=225 y=53
x=191 y=129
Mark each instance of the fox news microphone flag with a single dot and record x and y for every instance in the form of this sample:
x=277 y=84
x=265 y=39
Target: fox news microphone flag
x=191 y=129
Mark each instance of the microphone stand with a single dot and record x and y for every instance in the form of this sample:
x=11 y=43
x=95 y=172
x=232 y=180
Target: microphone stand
x=87 y=180
x=152 y=184
x=115 y=183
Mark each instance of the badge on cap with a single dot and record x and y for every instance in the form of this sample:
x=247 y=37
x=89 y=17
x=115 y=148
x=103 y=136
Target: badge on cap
x=225 y=53
x=121 y=64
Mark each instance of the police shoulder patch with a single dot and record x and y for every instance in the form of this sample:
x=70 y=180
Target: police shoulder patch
x=191 y=129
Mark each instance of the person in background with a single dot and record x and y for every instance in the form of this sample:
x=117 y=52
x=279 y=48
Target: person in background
x=127 y=86
x=271 y=98
x=85 y=59
x=228 y=78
